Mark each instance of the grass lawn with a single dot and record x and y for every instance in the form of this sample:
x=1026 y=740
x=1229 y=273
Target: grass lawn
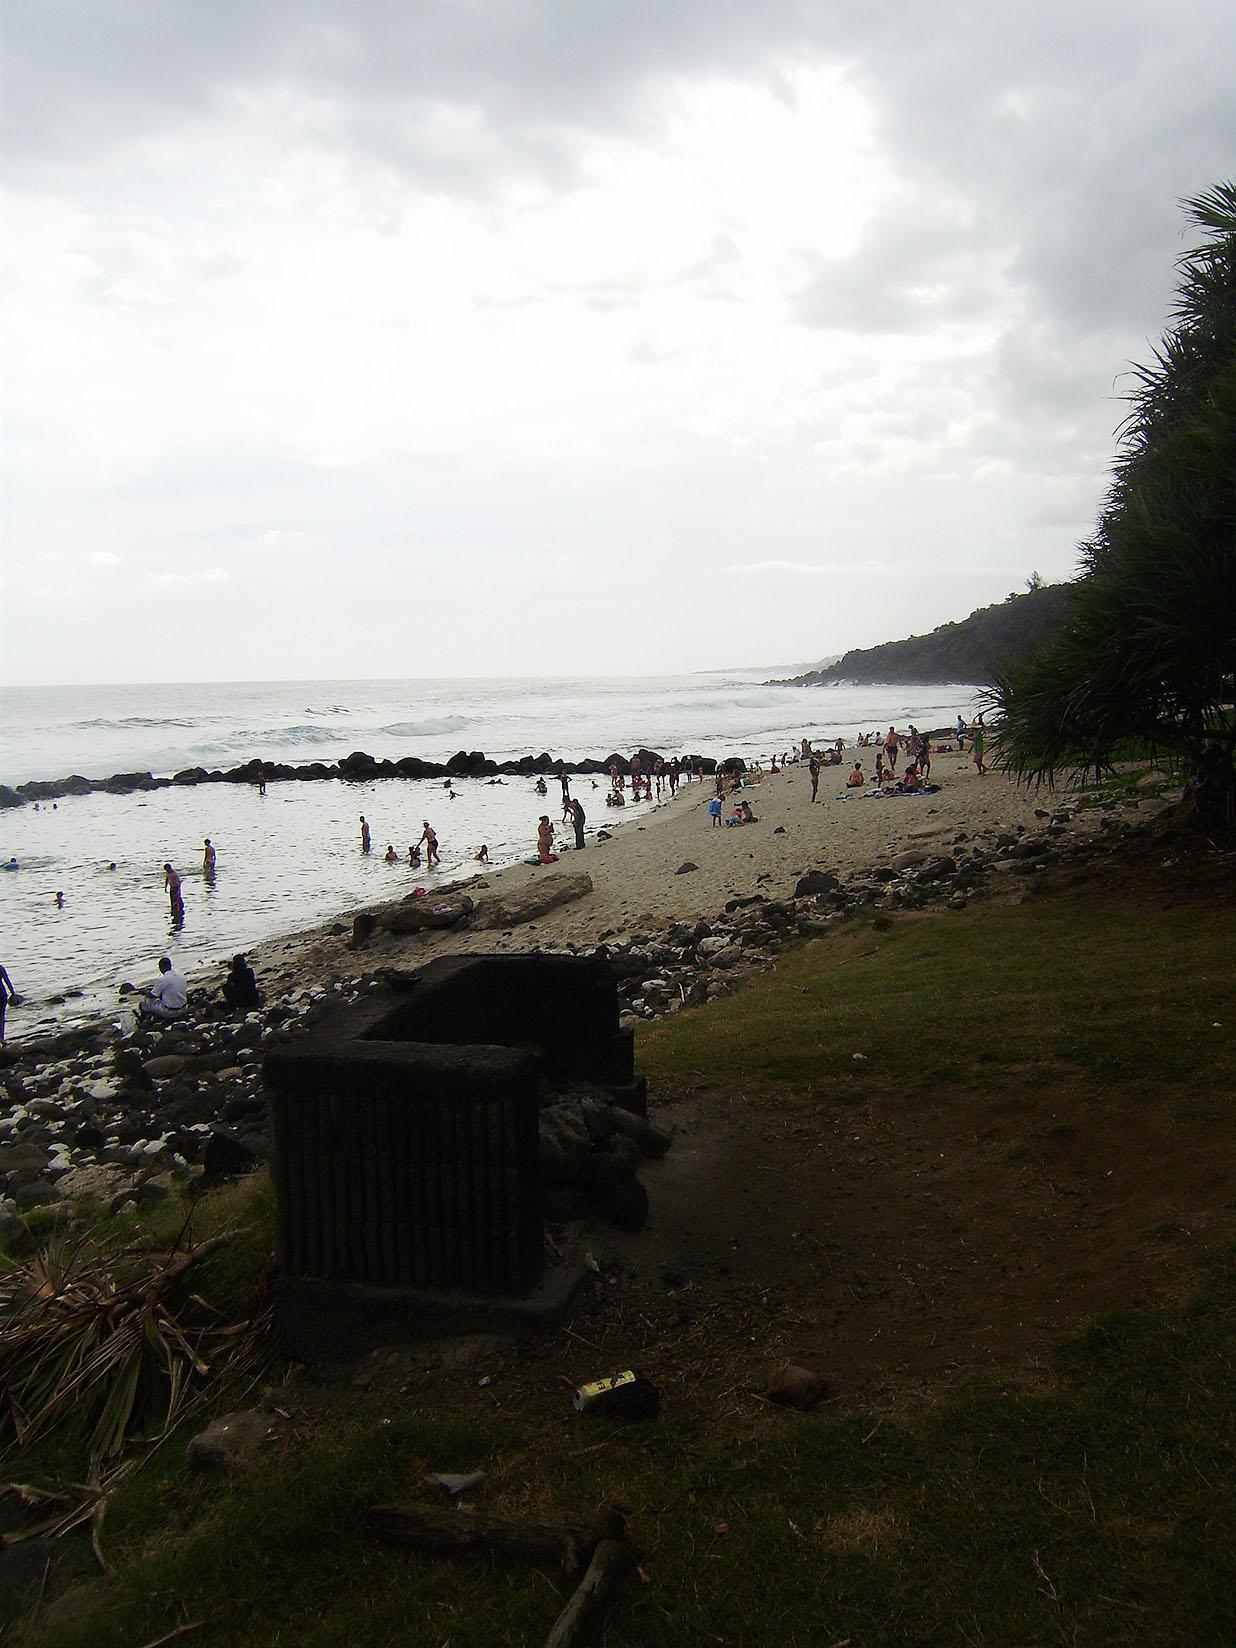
x=1093 y=1506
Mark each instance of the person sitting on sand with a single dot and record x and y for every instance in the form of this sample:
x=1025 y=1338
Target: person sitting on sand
x=482 y=855
x=856 y=777
x=240 y=989
x=909 y=780
x=431 y=845
x=745 y=813
x=168 y=998
x=391 y=856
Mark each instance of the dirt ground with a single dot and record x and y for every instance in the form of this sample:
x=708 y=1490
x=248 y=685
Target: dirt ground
x=894 y=1246
x=890 y=1251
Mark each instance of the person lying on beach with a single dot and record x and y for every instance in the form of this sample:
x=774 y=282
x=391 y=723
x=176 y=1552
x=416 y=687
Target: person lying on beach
x=856 y=777
x=168 y=998
x=240 y=989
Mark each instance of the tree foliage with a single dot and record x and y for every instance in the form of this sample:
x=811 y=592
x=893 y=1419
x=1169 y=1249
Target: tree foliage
x=1148 y=649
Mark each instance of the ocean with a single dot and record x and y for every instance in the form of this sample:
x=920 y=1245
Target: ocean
x=291 y=859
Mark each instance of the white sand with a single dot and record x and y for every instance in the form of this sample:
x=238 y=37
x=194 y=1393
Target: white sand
x=636 y=889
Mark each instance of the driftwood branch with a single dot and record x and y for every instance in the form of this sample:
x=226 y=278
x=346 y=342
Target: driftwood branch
x=453 y=1532
x=610 y=1562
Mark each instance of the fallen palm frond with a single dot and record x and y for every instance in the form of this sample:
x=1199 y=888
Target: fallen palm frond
x=107 y=1340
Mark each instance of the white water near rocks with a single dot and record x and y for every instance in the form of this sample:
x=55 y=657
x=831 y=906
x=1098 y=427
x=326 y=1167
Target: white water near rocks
x=291 y=858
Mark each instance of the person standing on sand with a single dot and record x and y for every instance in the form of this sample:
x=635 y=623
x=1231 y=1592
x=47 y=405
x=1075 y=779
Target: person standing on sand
x=977 y=739
x=891 y=746
x=431 y=845
x=364 y=834
x=208 y=860
x=577 y=819
x=714 y=811
x=174 y=896
x=814 y=769
x=7 y=994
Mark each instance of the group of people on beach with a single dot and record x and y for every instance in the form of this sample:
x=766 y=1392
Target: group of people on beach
x=428 y=839
x=168 y=998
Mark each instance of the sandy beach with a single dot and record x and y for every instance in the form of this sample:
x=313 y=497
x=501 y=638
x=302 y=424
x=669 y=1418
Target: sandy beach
x=636 y=887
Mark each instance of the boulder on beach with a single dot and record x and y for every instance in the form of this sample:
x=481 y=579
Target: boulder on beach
x=523 y=904
x=414 y=915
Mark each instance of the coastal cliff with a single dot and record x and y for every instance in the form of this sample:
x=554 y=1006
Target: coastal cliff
x=966 y=651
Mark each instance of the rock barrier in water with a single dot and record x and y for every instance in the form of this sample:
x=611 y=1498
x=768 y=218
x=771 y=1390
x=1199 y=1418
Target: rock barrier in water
x=357 y=767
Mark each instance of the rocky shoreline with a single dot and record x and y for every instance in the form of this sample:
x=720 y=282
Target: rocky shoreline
x=93 y=1118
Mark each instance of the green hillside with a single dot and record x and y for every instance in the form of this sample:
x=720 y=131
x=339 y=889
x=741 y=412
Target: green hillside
x=966 y=651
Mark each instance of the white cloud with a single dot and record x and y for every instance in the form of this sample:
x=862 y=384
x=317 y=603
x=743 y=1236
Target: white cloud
x=688 y=288
x=184 y=580
x=810 y=569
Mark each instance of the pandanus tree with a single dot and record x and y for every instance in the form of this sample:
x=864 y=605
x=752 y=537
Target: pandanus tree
x=1147 y=655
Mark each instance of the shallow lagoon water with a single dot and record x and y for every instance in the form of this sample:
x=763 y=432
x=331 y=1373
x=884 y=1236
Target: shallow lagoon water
x=291 y=859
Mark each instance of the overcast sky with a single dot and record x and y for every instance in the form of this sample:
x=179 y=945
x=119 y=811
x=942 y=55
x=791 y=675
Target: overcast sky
x=550 y=336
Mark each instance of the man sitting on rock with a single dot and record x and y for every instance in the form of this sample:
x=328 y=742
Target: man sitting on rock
x=169 y=997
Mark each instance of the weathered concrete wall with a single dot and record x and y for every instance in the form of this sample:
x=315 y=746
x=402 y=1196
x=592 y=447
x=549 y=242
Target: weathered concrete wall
x=408 y=1165
x=565 y=1007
